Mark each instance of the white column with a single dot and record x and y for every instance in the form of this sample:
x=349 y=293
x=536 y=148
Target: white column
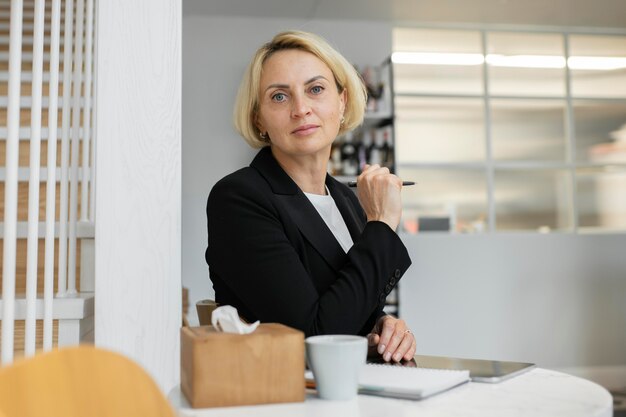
x=53 y=92
x=33 y=182
x=138 y=197
x=65 y=145
x=10 y=183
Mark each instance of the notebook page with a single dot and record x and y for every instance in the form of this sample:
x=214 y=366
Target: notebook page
x=408 y=382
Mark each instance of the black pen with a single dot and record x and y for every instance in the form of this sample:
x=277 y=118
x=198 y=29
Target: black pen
x=404 y=183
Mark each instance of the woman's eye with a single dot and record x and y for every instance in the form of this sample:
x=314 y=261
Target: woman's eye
x=279 y=97
x=317 y=89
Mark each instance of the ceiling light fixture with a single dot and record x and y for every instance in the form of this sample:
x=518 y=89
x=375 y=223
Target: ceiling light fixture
x=511 y=61
x=437 y=58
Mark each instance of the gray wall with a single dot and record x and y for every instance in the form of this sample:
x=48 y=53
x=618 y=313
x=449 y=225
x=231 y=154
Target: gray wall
x=216 y=51
x=558 y=300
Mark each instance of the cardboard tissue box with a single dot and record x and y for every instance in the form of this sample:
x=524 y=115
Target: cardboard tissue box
x=226 y=369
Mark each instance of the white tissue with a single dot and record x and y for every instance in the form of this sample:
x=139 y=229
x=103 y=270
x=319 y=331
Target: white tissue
x=225 y=319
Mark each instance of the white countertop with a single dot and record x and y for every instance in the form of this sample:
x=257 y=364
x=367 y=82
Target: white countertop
x=537 y=393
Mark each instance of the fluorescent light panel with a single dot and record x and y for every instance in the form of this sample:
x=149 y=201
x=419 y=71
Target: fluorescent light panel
x=512 y=61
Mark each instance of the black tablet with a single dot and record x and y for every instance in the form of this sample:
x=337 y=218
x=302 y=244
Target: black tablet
x=481 y=370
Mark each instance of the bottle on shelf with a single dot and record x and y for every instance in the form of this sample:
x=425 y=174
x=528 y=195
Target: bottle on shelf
x=387 y=150
x=349 y=158
x=375 y=88
x=376 y=149
x=363 y=150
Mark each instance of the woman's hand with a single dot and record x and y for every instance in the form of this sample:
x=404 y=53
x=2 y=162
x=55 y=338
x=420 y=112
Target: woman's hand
x=391 y=339
x=379 y=195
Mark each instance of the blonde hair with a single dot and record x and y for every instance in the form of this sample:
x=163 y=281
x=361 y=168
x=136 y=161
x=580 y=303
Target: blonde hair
x=346 y=77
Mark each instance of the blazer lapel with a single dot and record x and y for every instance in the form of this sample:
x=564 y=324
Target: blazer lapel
x=300 y=209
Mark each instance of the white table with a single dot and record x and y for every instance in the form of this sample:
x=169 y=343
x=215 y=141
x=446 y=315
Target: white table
x=537 y=393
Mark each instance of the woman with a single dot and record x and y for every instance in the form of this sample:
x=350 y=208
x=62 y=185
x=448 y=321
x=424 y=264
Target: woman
x=287 y=242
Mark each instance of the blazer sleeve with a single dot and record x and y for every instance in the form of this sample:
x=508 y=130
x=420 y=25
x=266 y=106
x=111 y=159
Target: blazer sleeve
x=249 y=251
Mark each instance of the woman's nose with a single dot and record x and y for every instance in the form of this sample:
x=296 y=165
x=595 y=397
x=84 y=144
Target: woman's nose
x=300 y=106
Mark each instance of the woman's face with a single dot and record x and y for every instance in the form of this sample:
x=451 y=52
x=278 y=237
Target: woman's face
x=300 y=107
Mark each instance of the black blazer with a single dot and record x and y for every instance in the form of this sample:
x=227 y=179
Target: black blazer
x=272 y=257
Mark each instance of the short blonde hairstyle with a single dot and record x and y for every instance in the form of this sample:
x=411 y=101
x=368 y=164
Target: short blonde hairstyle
x=346 y=78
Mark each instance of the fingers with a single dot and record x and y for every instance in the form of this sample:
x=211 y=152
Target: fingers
x=396 y=341
x=372 y=171
x=379 y=195
x=406 y=350
x=373 y=339
x=372 y=344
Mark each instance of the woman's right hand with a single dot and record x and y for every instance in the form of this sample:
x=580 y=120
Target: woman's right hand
x=379 y=193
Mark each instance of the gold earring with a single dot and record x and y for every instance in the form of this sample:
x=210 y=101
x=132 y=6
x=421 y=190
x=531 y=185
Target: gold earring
x=263 y=135
x=343 y=119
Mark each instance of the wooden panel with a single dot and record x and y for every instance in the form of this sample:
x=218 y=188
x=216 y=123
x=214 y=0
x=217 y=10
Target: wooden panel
x=4 y=47
x=20 y=266
x=19 y=336
x=138 y=245
x=27 y=66
x=24 y=153
x=25 y=116
x=26 y=91
x=22 y=201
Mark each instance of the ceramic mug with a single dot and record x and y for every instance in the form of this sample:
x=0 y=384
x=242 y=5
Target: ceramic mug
x=336 y=362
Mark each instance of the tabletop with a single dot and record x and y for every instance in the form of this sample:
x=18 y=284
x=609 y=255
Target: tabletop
x=537 y=393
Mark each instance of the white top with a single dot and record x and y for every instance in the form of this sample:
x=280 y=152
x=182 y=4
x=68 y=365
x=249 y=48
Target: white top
x=537 y=393
x=326 y=207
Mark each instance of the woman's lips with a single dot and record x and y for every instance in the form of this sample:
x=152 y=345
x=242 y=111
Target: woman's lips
x=305 y=130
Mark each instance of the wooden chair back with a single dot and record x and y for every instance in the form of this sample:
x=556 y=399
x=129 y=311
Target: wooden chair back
x=77 y=382
x=205 y=309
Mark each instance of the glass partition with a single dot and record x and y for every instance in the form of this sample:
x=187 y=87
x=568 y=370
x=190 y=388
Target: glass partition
x=444 y=200
x=437 y=61
x=511 y=130
x=601 y=195
x=598 y=65
x=532 y=200
x=526 y=64
x=600 y=128
x=528 y=130
x=439 y=130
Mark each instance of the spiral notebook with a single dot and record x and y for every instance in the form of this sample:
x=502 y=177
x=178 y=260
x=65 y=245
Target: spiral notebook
x=407 y=382
x=404 y=382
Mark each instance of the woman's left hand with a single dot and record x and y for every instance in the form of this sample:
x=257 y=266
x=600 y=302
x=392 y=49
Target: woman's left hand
x=392 y=339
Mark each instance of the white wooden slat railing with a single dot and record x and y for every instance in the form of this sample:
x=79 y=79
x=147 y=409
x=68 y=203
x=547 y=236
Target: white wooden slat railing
x=49 y=28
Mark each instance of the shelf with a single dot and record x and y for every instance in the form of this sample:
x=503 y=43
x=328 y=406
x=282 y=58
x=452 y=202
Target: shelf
x=377 y=115
x=23 y=174
x=24 y=133
x=84 y=230
x=71 y=307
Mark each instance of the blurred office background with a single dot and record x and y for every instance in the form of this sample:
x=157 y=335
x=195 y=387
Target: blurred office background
x=510 y=115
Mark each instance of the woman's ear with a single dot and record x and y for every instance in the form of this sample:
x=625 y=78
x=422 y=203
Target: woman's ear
x=343 y=99
x=258 y=125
